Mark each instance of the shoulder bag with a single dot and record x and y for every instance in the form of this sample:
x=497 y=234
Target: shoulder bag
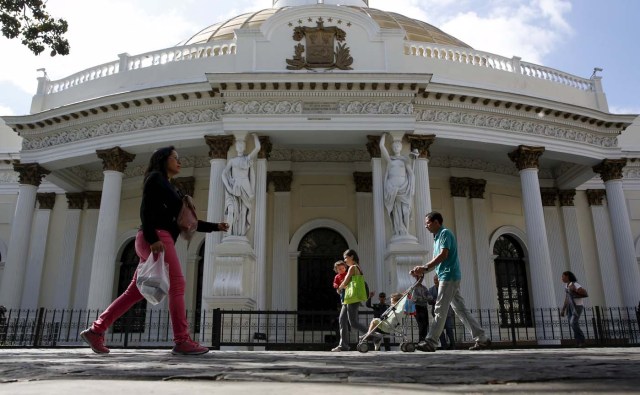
x=356 y=290
x=187 y=219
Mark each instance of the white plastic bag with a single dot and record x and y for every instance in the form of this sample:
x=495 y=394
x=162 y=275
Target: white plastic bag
x=153 y=279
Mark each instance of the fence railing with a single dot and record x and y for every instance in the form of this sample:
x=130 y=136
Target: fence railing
x=299 y=330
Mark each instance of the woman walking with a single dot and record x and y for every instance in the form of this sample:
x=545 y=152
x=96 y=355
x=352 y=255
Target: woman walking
x=574 y=305
x=161 y=203
x=349 y=311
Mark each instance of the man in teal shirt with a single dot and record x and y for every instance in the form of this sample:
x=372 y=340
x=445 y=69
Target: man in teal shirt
x=445 y=262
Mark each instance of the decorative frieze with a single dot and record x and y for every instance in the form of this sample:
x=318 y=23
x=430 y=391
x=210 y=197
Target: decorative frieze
x=269 y=107
x=93 y=199
x=75 y=200
x=219 y=146
x=363 y=181
x=373 y=146
x=476 y=188
x=610 y=169
x=375 y=107
x=265 y=147
x=356 y=155
x=46 y=201
x=548 y=196
x=458 y=186
x=30 y=173
x=186 y=185
x=595 y=196
x=566 y=197
x=153 y=121
x=281 y=180
x=115 y=158
x=515 y=125
x=421 y=143
x=526 y=157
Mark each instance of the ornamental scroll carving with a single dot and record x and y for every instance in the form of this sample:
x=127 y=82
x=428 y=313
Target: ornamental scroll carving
x=320 y=50
x=358 y=155
x=373 y=146
x=363 y=181
x=30 y=173
x=421 y=143
x=122 y=126
x=595 y=196
x=548 y=196
x=115 y=158
x=458 y=186
x=516 y=125
x=219 y=146
x=46 y=200
x=476 y=188
x=566 y=197
x=526 y=157
x=281 y=180
x=93 y=199
x=383 y=107
x=610 y=169
x=263 y=107
x=75 y=200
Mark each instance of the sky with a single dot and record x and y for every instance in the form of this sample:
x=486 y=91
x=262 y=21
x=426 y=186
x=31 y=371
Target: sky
x=573 y=36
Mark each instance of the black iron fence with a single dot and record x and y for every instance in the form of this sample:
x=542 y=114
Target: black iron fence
x=294 y=330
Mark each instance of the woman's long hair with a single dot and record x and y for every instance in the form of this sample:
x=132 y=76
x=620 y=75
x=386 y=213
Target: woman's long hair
x=158 y=161
x=353 y=254
x=572 y=277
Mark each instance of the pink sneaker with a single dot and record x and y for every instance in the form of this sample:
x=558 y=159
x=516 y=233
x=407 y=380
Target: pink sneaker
x=189 y=347
x=95 y=340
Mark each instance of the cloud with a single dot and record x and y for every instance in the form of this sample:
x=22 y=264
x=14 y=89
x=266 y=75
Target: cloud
x=624 y=110
x=5 y=110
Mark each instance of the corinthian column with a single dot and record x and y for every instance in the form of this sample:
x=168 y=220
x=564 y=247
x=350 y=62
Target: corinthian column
x=88 y=227
x=605 y=248
x=30 y=177
x=364 y=208
x=281 y=272
x=486 y=279
x=103 y=265
x=260 y=232
x=572 y=236
x=67 y=259
x=37 y=247
x=611 y=173
x=373 y=146
x=459 y=187
x=542 y=284
x=421 y=143
x=554 y=237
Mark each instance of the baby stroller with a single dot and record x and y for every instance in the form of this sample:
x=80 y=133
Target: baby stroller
x=392 y=322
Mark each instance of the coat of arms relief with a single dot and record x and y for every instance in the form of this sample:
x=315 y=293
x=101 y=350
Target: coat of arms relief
x=321 y=48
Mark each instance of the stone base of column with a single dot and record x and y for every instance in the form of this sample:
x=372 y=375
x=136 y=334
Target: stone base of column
x=399 y=260
x=404 y=239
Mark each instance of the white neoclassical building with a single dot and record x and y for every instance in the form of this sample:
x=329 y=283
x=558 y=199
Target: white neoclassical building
x=527 y=165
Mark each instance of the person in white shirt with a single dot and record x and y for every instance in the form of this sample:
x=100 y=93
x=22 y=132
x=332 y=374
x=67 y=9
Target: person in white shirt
x=574 y=305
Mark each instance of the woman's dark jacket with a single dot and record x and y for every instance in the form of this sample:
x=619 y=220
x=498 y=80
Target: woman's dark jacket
x=161 y=204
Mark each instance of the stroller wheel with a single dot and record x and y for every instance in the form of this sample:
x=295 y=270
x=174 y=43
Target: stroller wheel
x=362 y=347
x=409 y=347
x=403 y=347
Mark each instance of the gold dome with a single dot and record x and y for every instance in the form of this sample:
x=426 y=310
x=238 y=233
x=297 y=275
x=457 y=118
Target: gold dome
x=415 y=30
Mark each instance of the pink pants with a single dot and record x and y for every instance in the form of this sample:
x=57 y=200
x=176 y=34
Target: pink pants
x=131 y=295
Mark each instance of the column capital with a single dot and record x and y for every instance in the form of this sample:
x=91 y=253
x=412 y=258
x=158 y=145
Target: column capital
x=373 y=146
x=219 y=146
x=265 y=147
x=186 y=185
x=281 y=180
x=363 y=181
x=549 y=196
x=75 y=200
x=458 y=186
x=30 y=173
x=421 y=143
x=566 y=197
x=610 y=169
x=526 y=157
x=46 y=200
x=476 y=188
x=115 y=158
x=93 y=199
x=595 y=196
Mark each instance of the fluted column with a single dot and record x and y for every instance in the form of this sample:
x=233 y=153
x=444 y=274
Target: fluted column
x=555 y=237
x=572 y=236
x=37 y=247
x=459 y=188
x=485 y=270
x=611 y=173
x=218 y=151
x=114 y=163
x=30 y=177
x=65 y=265
x=281 y=271
x=606 y=250
x=365 y=223
x=89 y=227
x=542 y=284
x=423 y=187
x=260 y=232
x=373 y=146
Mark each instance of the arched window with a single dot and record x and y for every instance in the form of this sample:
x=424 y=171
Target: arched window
x=135 y=317
x=511 y=280
x=319 y=250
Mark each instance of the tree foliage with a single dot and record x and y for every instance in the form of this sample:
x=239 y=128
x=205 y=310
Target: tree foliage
x=28 y=20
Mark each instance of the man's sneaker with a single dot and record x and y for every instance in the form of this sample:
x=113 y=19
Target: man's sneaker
x=481 y=345
x=189 y=347
x=337 y=349
x=425 y=346
x=95 y=340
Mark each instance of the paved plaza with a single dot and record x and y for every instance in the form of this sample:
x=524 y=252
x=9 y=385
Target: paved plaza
x=80 y=371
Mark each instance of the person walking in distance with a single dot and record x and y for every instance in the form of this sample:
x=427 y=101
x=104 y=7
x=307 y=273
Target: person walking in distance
x=447 y=266
x=161 y=203
x=573 y=305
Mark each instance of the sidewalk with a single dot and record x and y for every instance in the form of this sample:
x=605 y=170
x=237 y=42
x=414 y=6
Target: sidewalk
x=80 y=371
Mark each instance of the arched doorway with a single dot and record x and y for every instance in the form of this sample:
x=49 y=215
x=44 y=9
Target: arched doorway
x=511 y=280
x=133 y=320
x=319 y=250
